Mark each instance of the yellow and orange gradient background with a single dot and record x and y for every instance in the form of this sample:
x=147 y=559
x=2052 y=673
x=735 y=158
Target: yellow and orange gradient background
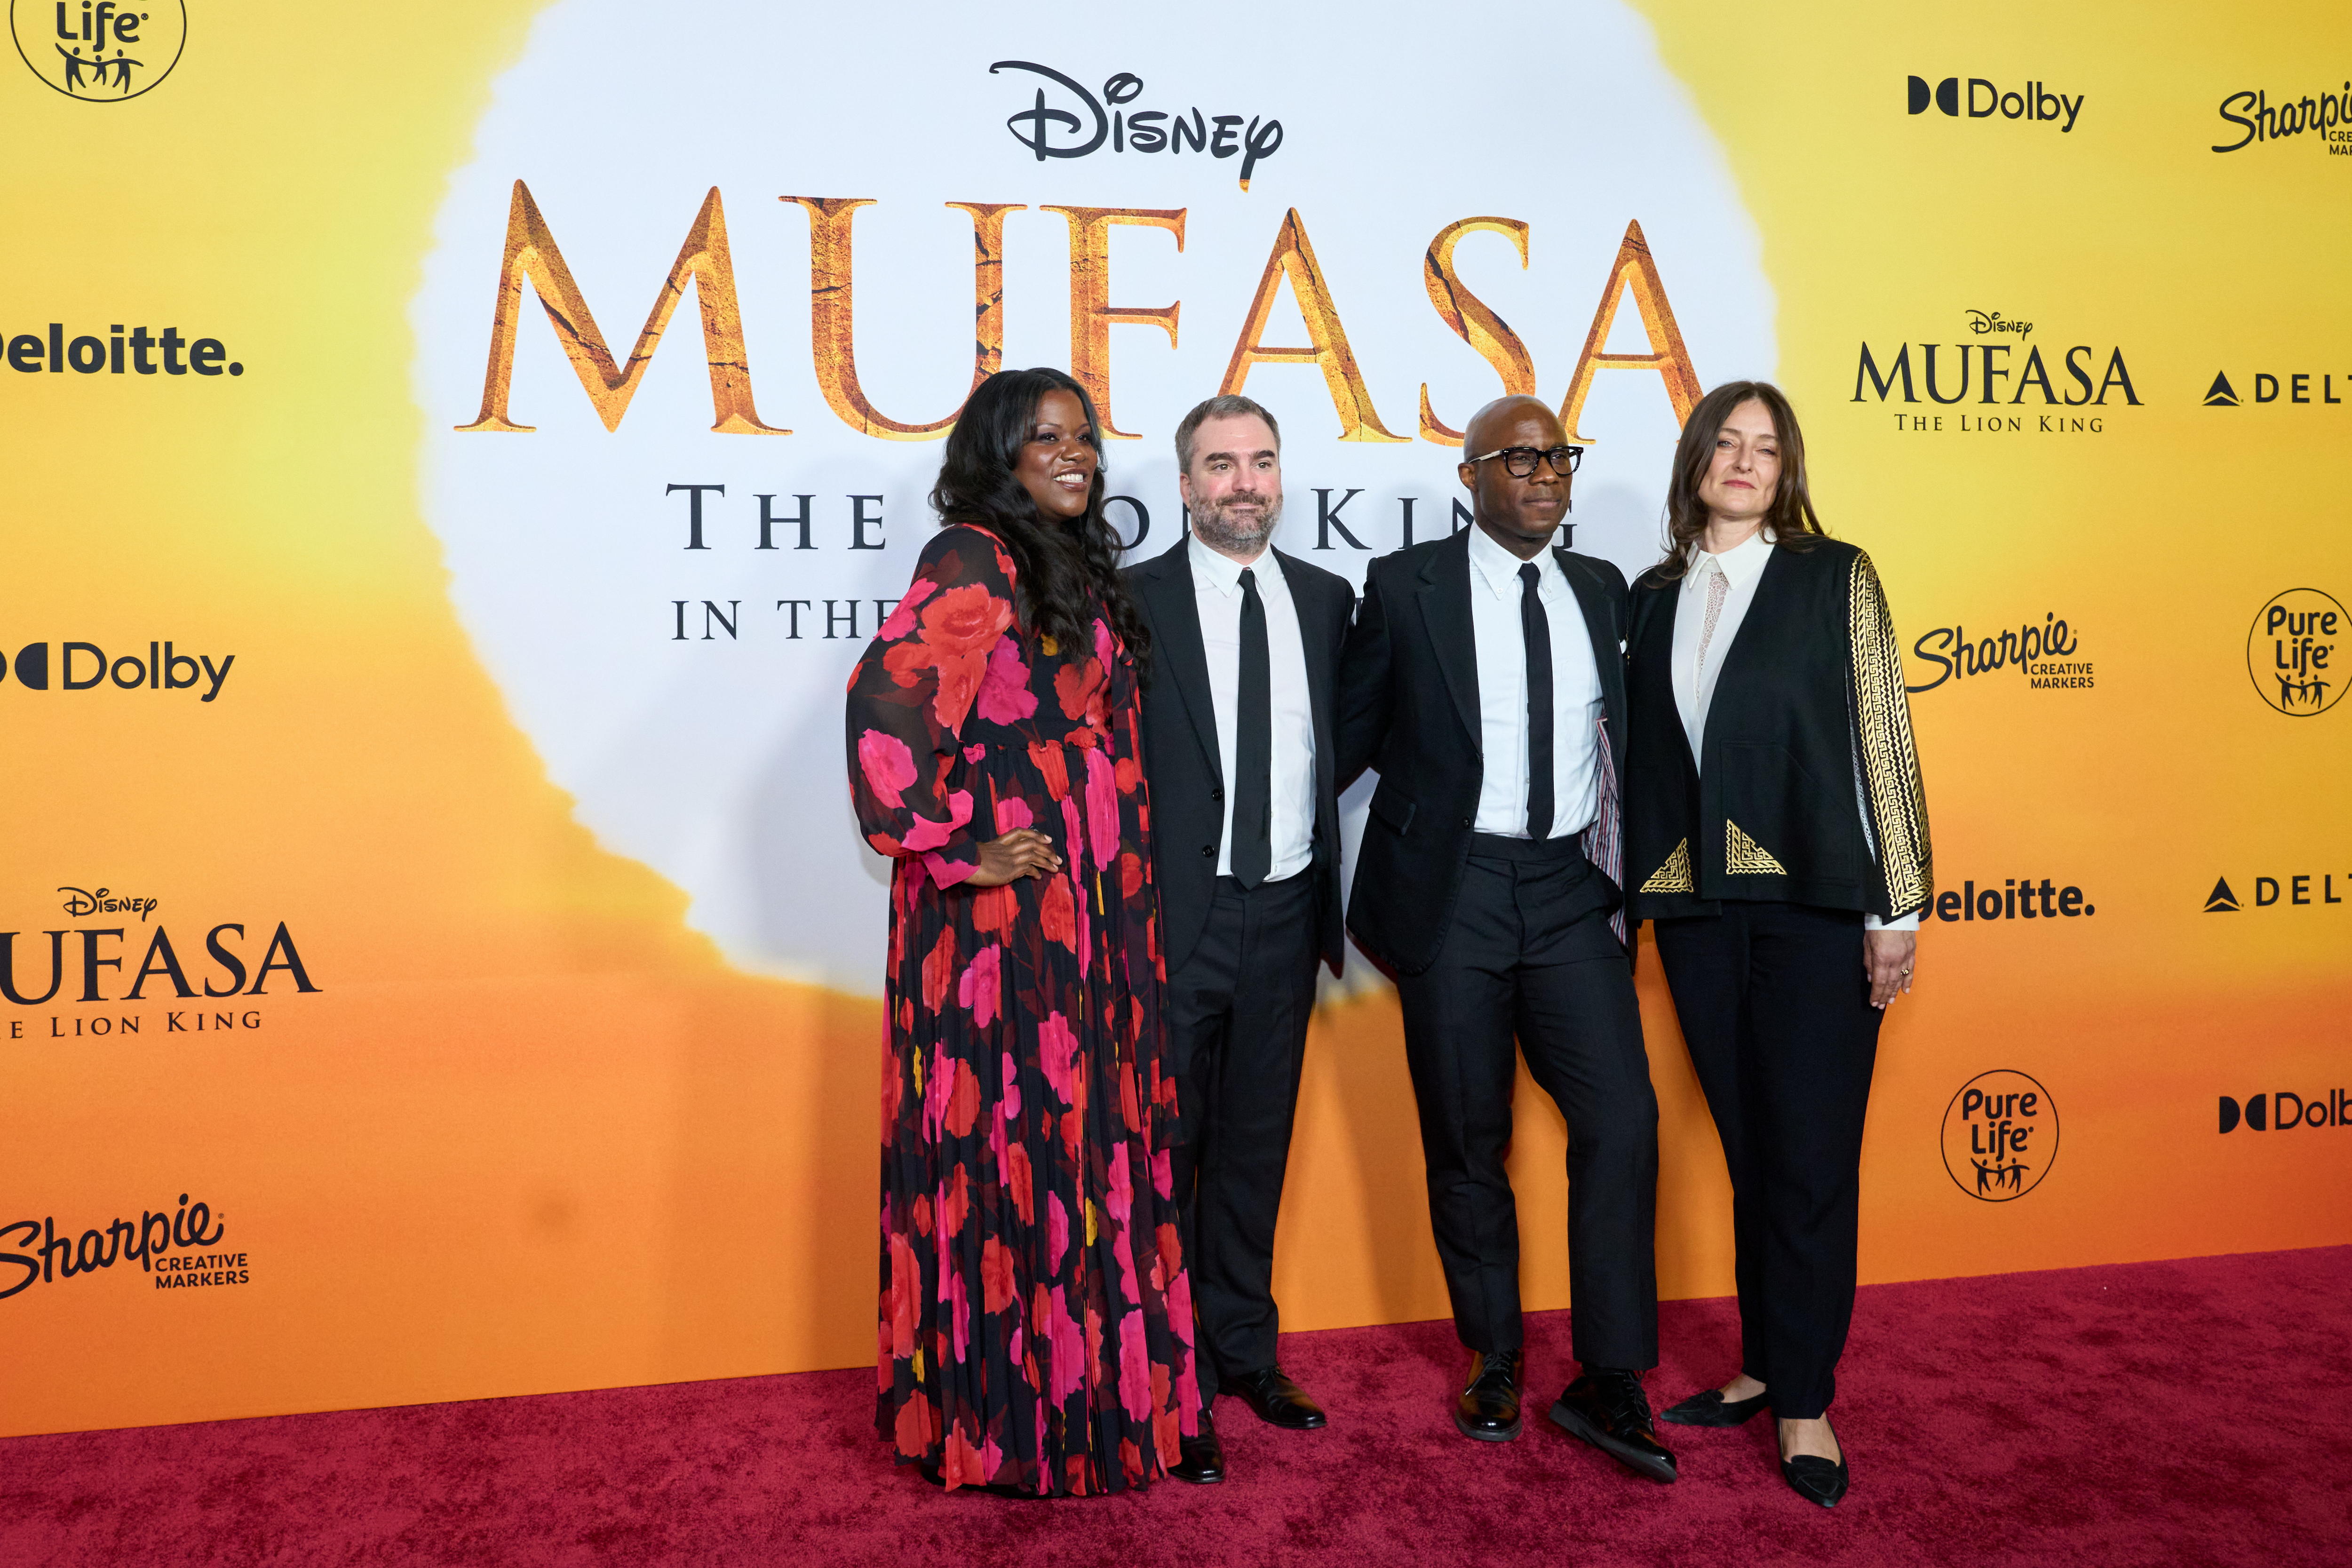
x=534 y=1134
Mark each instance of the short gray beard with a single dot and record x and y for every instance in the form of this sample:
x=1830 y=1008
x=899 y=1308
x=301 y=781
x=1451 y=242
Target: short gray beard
x=1219 y=534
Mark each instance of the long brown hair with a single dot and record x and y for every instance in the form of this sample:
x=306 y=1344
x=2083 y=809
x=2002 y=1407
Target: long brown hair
x=1062 y=567
x=1792 y=518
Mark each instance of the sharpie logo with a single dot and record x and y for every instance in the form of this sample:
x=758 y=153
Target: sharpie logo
x=1068 y=121
x=2328 y=112
x=54 y=1255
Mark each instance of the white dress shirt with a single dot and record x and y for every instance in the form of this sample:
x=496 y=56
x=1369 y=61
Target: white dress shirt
x=1742 y=568
x=1502 y=647
x=1217 y=595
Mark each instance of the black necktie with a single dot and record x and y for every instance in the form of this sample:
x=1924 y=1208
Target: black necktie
x=1253 y=846
x=1536 y=628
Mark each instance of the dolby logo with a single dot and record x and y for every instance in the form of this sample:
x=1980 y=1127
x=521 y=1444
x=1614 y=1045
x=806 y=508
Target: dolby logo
x=85 y=667
x=1982 y=99
x=2269 y=1112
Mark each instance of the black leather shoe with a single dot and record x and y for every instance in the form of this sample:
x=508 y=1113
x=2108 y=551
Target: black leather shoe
x=1202 y=1461
x=1816 y=1479
x=1712 y=1409
x=1608 y=1409
x=1277 y=1401
x=1488 y=1408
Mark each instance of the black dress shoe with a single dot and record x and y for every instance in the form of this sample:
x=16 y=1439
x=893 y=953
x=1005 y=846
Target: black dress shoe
x=1488 y=1408
x=1712 y=1409
x=1202 y=1461
x=1608 y=1409
x=1277 y=1401
x=1816 y=1479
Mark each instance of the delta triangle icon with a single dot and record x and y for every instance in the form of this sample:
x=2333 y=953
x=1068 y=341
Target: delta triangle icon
x=2220 y=395
x=2221 y=901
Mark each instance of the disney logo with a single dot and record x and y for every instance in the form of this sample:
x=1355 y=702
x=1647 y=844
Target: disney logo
x=105 y=901
x=1994 y=322
x=1052 y=131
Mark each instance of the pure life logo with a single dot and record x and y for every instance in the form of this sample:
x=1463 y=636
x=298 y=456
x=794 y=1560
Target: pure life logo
x=1083 y=123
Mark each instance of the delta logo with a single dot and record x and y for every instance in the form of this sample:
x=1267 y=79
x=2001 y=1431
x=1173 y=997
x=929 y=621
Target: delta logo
x=2316 y=387
x=2294 y=889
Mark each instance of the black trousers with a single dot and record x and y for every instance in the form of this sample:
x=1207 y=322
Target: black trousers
x=1238 y=1010
x=1775 y=1005
x=1529 y=953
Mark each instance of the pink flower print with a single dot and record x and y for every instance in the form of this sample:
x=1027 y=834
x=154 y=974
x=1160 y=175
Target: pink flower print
x=1057 y=1236
x=1068 y=1350
x=902 y=619
x=927 y=834
x=1057 y=1044
x=979 y=988
x=1102 y=808
x=1163 y=1175
x=888 y=765
x=1008 y=1097
x=1005 y=694
x=1134 y=1368
x=1012 y=813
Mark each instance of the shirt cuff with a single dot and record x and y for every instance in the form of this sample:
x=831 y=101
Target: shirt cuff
x=1907 y=922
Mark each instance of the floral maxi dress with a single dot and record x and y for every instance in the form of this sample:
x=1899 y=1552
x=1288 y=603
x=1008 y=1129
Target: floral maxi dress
x=1037 y=1320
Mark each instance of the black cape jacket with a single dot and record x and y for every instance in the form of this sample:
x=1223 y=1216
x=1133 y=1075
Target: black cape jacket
x=1807 y=788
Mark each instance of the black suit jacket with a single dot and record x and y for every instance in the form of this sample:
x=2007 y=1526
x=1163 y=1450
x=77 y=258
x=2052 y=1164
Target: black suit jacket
x=1181 y=764
x=1808 y=730
x=1408 y=706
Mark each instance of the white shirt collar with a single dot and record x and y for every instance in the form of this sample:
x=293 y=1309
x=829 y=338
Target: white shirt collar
x=1741 y=564
x=1222 y=572
x=1499 y=569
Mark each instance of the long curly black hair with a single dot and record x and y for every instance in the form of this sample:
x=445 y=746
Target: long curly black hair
x=1067 y=570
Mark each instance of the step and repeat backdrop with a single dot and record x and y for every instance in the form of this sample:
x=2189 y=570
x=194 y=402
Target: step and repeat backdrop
x=455 y=452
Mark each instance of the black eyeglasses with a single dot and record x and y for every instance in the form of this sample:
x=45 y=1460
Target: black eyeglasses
x=1520 y=462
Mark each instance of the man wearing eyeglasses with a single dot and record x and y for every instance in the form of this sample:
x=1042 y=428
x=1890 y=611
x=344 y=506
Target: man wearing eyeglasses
x=1483 y=678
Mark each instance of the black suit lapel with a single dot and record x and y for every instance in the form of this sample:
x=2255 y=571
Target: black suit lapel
x=1177 y=648
x=1601 y=623
x=1320 y=634
x=1445 y=610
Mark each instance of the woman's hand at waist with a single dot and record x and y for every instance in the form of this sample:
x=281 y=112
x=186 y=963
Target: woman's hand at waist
x=1023 y=852
x=1887 y=957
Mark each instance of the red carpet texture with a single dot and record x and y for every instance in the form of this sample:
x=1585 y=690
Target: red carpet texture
x=2192 y=1412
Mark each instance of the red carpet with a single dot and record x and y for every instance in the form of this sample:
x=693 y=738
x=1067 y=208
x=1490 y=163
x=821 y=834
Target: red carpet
x=2161 y=1412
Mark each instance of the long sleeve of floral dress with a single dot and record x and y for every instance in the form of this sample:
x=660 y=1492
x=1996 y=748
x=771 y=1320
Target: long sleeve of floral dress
x=1036 y=1319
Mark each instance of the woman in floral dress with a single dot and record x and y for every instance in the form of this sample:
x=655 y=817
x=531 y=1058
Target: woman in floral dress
x=1036 y=1322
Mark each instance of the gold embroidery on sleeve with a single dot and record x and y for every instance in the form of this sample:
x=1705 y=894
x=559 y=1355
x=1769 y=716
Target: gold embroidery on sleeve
x=1674 y=875
x=1890 y=763
x=1743 y=856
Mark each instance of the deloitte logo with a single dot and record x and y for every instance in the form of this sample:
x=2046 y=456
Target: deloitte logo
x=100 y=53
x=2001 y=1136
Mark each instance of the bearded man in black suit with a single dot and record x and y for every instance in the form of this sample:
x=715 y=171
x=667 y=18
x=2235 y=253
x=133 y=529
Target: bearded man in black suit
x=1239 y=755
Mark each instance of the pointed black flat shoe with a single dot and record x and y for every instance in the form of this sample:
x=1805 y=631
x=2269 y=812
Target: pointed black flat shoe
x=1816 y=1479
x=1712 y=1409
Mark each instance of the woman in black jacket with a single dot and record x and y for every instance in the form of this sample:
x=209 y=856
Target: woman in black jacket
x=1775 y=833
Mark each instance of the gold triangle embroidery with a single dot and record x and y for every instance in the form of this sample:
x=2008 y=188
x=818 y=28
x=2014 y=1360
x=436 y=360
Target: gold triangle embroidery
x=1674 y=875
x=1742 y=854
